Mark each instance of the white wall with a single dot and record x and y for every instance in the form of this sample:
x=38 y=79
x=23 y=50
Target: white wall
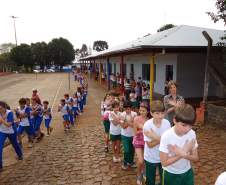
x=161 y=61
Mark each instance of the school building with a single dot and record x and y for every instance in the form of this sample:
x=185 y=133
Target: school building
x=178 y=54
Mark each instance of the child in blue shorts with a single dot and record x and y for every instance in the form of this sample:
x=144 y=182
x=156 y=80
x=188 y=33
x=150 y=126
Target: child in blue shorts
x=22 y=113
x=64 y=109
x=47 y=117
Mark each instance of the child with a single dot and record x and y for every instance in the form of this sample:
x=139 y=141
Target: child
x=105 y=111
x=64 y=109
x=75 y=109
x=37 y=116
x=127 y=135
x=138 y=140
x=153 y=129
x=115 y=131
x=7 y=131
x=178 y=146
x=69 y=102
x=134 y=102
x=47 y=117
x=22 y=113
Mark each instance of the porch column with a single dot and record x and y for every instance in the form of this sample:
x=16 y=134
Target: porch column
x=108 y=73
x=152 y=62
x=100 y=72
x=122 y=73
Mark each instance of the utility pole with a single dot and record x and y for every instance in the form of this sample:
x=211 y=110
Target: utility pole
x=14 y=23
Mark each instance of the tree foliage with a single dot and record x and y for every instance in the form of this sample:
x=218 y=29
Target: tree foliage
x=61 y=52
x=219 y=15
x=22 y=56
x=221 y=11
x=165 y=27
x=100 y=45
x=40 y=54
x=84 y=50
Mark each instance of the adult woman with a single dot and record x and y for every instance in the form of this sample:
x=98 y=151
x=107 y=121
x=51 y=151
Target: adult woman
x=138 y=140
x=172 y=100
x=7 y=131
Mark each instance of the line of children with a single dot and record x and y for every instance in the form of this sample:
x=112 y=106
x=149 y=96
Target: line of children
x=155 y=142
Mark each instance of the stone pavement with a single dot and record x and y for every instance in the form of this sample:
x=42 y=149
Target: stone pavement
x=77 y=157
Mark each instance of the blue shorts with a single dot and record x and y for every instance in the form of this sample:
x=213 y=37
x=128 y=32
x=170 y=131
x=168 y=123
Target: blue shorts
x=47 y=122
x=66 y=117
x=27 y=129
x=37 y=123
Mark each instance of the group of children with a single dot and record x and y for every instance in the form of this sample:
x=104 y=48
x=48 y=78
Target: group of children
x=158 y=144
x=27 y=117
x=30 y=114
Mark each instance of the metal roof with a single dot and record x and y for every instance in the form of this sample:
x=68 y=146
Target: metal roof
x=177 y=37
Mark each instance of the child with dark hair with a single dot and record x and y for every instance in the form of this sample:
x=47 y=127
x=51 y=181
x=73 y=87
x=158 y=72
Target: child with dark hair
x=23 y=113
x=153 y=129
x=64 y=109
x=127 y=135
x=178 y=147
x=7 y=131
x=115 y=131
x=47 y=117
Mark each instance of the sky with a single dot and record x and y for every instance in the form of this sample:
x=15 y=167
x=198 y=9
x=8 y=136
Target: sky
x=84 y=21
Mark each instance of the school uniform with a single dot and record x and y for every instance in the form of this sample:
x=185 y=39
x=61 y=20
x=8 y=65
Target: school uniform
x=151 y=155
x=181 y=171
x=24 y=124
x=115 y=130
x=127 y=139
x=47 y=117
x=37 y=118
x=8 y=132
x=64 y=111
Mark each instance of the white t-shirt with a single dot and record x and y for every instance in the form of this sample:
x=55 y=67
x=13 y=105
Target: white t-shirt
x=128 y=132
x=114 y=129
x=170 y=137
x=152 y=154
x=9 y=119
x=24 y=121
x=221 y=180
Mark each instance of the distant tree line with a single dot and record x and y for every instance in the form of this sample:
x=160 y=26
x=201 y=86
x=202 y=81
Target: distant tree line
x=58 y=52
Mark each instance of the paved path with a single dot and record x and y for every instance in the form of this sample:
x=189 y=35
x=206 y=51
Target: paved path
x=77 y=158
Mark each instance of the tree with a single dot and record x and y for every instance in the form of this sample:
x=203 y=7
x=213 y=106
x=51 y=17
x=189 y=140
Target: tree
x=22 y=56
x=61 y=52
x=6 y=64
x=84 y=50
x=100 y=45
x=165 y=27
x=220 y=15
x=40 y=54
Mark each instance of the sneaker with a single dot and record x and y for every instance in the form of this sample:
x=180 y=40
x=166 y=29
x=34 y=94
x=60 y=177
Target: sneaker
x=51 y=129
x=144 y=176
x=115 y=159
x=106 y=149
x=133 y=165
x=20 y=158
x=124 y=167
x=139 y=180
x=30 y=145
x=47 y=135
x=118 y=160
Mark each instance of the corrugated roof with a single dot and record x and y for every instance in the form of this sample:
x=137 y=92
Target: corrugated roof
x=179 y=36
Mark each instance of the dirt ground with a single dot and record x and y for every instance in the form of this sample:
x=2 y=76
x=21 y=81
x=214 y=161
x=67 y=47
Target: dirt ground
x=77 y=158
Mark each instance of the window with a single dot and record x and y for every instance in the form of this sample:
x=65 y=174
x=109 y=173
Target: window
x=131 y=72
x=169 y=72
x=146 y=72
x=114 y=69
